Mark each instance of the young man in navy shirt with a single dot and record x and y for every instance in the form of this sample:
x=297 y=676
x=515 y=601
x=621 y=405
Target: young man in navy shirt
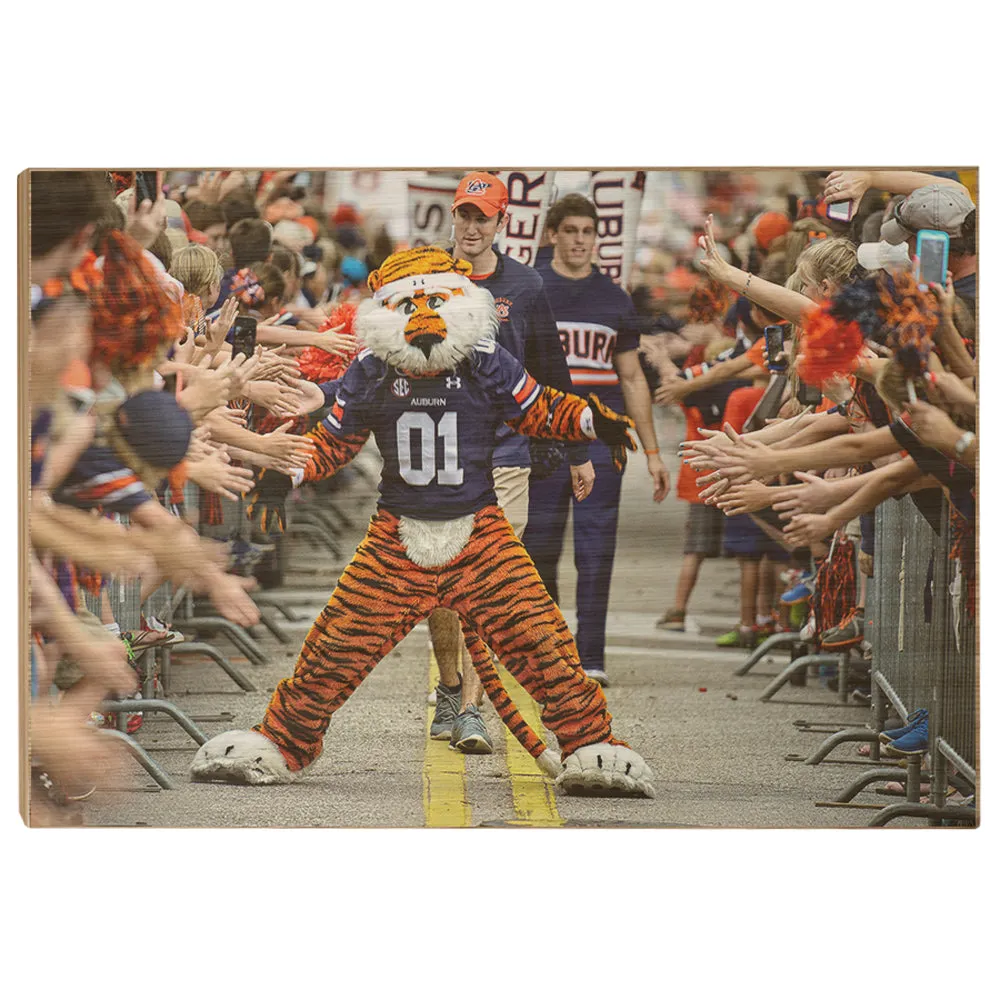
x=598 y=327
x=528 y=331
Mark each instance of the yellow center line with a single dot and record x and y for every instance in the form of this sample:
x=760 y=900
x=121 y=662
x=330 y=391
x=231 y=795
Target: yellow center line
x=445 y=799
x=533 y=791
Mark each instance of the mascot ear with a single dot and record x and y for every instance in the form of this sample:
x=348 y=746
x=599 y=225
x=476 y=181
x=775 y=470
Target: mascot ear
x=375 y=281
x=463 y=267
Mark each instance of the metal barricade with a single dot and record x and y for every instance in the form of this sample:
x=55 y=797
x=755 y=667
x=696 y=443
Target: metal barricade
x=924 y=650
x=902 y=612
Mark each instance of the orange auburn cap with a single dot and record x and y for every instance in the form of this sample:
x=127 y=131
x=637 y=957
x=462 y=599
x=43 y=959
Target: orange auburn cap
x=486 y=191
x=769 y=227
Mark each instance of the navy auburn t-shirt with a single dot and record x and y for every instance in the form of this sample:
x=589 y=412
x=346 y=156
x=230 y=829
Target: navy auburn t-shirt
x=436 y=433
x=596 y=320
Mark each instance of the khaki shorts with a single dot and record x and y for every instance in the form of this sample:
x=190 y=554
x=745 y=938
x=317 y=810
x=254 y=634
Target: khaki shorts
x=511 y=486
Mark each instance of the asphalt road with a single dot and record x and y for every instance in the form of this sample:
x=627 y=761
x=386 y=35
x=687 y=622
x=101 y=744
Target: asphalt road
x=719 y=755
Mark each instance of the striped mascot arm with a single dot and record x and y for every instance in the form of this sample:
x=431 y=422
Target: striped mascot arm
x=332 y=453
x=565 y=417
x=266 y=501
x=554 y=414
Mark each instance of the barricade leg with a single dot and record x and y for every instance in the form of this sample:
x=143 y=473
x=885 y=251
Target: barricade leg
x=275 y=600
x=866 y=779
x=156 y=705
x=152 y=768
x=772 y=642
x=210 y=651
x=861 y=735
x=803 y=661
x=236 y=634
x=960 y=814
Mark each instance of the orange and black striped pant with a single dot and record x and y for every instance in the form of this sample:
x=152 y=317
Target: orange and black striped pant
x=381 y=595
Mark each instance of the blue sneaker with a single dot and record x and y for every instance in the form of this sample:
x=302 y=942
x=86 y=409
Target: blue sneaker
x=801 y=592
x=468 y=733
x=913 y=719
x=446 y=709
x=915 y=741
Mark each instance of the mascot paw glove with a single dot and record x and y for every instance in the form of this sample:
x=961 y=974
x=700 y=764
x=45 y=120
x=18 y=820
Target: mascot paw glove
x=606 y=769
x=613 y=429
x=266 y=502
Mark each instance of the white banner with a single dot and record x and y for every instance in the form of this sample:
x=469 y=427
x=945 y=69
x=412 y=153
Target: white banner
x=428 y=203
x=618 y=197
x=529 y=192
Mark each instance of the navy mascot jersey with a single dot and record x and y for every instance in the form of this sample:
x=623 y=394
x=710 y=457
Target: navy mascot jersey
x=435 y=433
x=596 y=320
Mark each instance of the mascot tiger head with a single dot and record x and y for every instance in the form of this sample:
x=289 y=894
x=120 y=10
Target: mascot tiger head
x=427 y=314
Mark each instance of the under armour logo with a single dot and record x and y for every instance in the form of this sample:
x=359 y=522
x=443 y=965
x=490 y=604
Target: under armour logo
x=453 y=382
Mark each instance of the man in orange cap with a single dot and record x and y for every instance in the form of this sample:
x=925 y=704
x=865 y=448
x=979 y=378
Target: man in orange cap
x=528 y=330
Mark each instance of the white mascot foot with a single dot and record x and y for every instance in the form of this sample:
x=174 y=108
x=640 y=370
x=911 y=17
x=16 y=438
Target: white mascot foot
x=241 y=757
x=606 y=769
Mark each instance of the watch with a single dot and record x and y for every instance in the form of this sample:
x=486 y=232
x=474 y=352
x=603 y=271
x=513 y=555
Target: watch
x=963 y=442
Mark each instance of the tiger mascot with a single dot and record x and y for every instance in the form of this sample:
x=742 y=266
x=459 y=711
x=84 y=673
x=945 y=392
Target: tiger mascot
x=433 y=385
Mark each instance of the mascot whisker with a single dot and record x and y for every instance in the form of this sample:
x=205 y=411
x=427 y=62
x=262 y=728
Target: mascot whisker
x=433 y=385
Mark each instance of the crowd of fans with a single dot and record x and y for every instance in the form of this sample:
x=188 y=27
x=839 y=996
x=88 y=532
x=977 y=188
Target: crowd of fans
x=135 y=389
x=869 y=392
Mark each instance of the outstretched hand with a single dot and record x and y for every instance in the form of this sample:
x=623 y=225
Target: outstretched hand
x=712 y=263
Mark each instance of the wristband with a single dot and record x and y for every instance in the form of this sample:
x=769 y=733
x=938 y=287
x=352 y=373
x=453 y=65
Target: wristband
x=963 y=443
x=746 y=287
x=652 y=451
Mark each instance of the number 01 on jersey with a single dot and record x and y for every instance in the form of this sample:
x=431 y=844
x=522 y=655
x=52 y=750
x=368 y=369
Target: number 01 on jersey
x=418 y=466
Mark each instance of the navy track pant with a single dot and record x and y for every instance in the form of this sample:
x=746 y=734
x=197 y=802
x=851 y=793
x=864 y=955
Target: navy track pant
x=595 y=527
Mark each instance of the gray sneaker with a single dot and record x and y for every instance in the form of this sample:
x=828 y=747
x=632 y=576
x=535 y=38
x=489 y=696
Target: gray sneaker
x=469 y=733
x=445 y=712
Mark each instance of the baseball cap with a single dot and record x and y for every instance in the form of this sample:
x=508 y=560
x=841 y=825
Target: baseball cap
x=769 y=227
x=156 y=427
x=354 y=271
x=936 y=206
x=486 y=191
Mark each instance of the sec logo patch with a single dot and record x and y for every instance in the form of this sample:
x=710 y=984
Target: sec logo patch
x=401 y=388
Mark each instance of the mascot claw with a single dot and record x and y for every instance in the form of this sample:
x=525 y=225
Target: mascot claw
x=606 y=769
x=241 y=757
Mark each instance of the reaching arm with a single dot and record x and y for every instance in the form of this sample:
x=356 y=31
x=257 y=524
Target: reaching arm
x=829 y=425
x=777 y=299
x=765 y=463
x=677 y=389
x=881 y=484
x=850 y=185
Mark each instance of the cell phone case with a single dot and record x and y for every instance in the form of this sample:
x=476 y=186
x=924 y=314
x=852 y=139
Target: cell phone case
x=937 y=236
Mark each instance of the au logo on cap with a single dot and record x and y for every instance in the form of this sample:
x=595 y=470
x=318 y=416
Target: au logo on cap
x=477 y=186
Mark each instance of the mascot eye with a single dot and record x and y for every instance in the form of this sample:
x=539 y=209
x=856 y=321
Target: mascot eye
x=406 y=307
x=435 y=301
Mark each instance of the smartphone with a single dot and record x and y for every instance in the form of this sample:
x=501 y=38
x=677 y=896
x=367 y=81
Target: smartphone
x=932 y=258
x=145 y=186
x=774 y=340
x=839 y=211
x=244 y=336
x=809 y=395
